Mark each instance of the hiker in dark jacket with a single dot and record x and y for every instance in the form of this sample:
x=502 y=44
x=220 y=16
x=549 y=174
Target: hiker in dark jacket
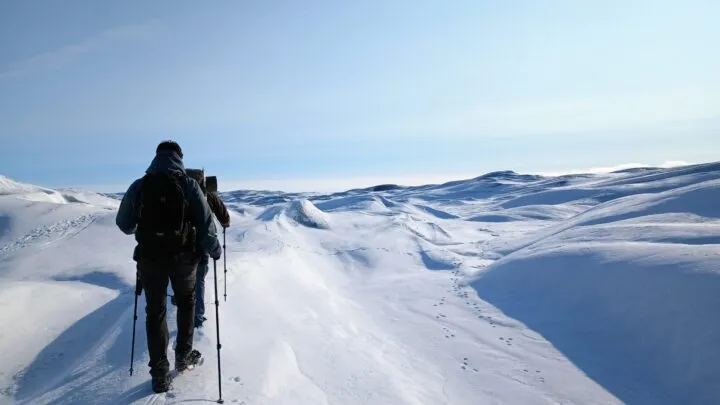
x=220 y=210
x=156 y=269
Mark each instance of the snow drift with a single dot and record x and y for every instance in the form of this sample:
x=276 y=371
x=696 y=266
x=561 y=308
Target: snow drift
x=502 y=289
x=73 y=195
x=628 y=291
x=301 y=212
x=29 y=192
x=305 y=213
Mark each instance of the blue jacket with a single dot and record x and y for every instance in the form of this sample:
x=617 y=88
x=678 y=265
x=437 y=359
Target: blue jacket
x=166 y=161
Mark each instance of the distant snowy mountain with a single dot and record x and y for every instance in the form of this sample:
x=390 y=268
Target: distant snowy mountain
x=501 y=289
x=74 y=195
x=29 y=192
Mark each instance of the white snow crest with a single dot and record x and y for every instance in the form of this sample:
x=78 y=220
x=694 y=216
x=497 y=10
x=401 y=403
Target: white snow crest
x=29 y=192
x=304 y=212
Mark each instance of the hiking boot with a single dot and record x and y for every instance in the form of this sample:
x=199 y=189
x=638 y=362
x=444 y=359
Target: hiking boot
x=199 y=322
x=188 y=361
x=161 y=383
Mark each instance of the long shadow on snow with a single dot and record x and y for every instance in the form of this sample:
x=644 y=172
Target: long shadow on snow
x=623 y=327
x=134 y=394
x=56 y=365
x=87 y=393
x=59 y=363
x=140 y=391
x=100 y=279
x=116 y=359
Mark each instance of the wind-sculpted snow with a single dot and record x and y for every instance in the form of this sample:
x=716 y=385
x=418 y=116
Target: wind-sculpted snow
x=261 y=198
x=628 y=291
x=501 y=289
x=301 y=212
x=88 y=197
x=365 y=203
x=305 y=213
x=34 y=193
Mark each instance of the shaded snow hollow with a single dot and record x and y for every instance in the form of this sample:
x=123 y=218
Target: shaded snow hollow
x=503 y=289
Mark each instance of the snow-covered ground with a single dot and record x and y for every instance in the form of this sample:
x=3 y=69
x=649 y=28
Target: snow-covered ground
x=503 y=289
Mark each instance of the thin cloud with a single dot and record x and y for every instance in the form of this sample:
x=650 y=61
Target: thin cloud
x=566 y=115
x=65 y=55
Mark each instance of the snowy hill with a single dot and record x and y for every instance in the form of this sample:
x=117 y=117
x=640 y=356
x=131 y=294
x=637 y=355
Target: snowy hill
x=28 y=192
x=501 y=289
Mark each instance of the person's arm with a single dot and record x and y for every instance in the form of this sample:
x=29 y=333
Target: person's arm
x=219 y=209
x=126 y=218
x=202 y=220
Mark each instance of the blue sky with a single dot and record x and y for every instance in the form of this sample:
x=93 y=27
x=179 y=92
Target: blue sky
x=327 y=94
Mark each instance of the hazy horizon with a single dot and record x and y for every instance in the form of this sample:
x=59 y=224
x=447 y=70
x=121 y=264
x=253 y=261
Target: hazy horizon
x=323 y=94
x=326 y=185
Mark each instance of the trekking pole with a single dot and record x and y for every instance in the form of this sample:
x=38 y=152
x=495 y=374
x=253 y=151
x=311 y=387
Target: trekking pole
x=225 y=265
x=138 y=291
x=217 y=324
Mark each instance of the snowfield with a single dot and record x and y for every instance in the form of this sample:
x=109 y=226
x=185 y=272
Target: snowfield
x=503 y=289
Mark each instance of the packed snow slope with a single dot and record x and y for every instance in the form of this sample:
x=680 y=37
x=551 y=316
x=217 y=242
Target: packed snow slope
x=503 y=289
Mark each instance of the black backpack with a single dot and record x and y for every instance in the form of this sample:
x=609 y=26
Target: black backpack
x=164 y=226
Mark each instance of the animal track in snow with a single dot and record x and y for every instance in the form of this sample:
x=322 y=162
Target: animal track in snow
x=526 y=375
x=466 y=365
x=507 y=341
x=448 y=333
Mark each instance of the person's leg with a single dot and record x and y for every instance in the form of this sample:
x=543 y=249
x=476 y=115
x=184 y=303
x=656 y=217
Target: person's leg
x=183 y=281
x=155 y=281
x=202 y=271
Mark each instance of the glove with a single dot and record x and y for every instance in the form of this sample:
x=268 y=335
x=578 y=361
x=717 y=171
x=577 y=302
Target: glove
x=225 y=225
x=217 y=252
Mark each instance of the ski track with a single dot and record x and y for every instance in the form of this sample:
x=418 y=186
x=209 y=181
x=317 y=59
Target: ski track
x=154 y=398
x=49 y=234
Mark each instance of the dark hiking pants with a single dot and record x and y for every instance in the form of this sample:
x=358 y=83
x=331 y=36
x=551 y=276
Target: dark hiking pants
x=155 y=275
